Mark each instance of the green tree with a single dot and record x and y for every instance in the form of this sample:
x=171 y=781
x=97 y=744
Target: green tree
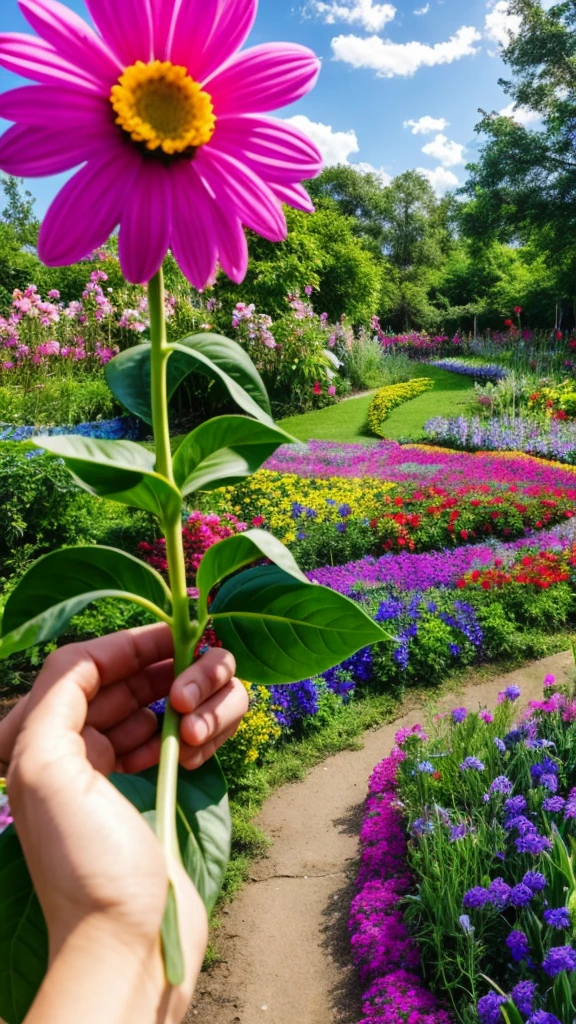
x=18 y=213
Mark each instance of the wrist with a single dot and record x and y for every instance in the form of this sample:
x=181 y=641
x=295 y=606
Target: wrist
x=107 y=974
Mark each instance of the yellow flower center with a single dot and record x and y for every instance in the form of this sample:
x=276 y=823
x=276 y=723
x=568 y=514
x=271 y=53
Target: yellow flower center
x=160 y=106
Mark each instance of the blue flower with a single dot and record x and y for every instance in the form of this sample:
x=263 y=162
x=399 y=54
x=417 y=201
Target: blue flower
x=520 y=895
x=425 y=767
x=535 y=880
x=518 y=945
x=466 y=924
x=512 y=693
x=515 y=805
x=499 y=744
x=532 y=843
x=344 y=511
x=341 y=527
x=557 y=917
x=297 y=510
x=522 y=996
x=499 y=893
x=560 y=958
x=455 y=650
x=472 y=764
x=476 y=897
x=489 y=1008
x=422 y=826
x=459 y=715
x=542 y=1017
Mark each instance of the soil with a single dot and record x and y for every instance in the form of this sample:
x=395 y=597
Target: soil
x=284 y=942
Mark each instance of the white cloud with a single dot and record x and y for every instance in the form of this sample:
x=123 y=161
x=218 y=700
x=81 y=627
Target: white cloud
x=523 y=115
x=335 y=147
x=448 y=153
x=422 y=10
x=426 y=125
x=365 y=168
x=370 y=15
x=388 y=59
x=500 y=25
x=440 y=179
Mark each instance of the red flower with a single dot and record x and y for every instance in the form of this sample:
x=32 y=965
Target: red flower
x=508 y=323
x=317 y=389
x=517 y=309
x=436 y=776
x=464 y=534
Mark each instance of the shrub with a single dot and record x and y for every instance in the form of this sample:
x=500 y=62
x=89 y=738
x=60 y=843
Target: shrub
x=368 y=367
x=57 y=401
x=257 y=732
x=395 y=394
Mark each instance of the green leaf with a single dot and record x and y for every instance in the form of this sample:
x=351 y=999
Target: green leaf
x=128 y=374
x=118 y=470
x=223 y=451
x=202 y=819
x=63 y=583
x=234 y=553
x=281 y=629
x=23 y=933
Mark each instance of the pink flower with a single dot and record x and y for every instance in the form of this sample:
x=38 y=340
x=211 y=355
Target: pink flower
x=332 y=390
x=258 y=521
x=165 y=116
x=517 y=309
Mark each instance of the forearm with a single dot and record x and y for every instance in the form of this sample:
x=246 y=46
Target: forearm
x=97 y=976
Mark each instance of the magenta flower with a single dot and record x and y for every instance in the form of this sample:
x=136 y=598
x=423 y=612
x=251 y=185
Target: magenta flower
x=164 y=115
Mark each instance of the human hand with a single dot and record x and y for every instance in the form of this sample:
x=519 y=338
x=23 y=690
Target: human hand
x=98 y=869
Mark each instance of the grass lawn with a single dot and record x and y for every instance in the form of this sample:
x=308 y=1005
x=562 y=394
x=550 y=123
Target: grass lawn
x=347 y=420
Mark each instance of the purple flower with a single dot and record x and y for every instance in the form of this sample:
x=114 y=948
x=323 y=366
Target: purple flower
x=542 y=1017
x=557 y=917
x=502 y=784
x=570 y=809
x=532 y=843
x=550 y=782
x=523 y=997
x=458 y=832
x=476 y=897
x=554 y=804
x=425 y=767
x=499 y=893
x=516 y=805
x=518 y=945
x=521 y=895
x=560 y=958
x=534 y=880
x=341 y=527
x=489 y=1008
x=459 y=715
x=544 y=767
x=487 y=717
x=466 y=924
x=511 y=693
x=499 y=744
x=471 y=764
x=422 y=826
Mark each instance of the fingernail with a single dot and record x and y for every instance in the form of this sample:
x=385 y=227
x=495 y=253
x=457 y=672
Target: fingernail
x=192 y=694
x=200 y=728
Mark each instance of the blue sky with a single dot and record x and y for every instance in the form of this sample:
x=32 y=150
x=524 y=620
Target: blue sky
x=384 y=65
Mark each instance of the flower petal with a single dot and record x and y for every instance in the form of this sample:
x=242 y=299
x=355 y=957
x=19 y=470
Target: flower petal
x=126 y=26
x=35 y=104
x=231 y=242
x=263 y=78
x=86 y=211
x=33 y=153
x=293 y=195
x=73 y=38
x=275 y=150
x=243 y=192
x=33 y=58
x=162 y=15
x=193 y=235
x=145 y=224
x=206 y=33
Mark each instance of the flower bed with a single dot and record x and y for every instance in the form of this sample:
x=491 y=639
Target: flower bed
x=486 y=372
x=554 y=439
x=467 y=867
x=122 y=428
x=393 y=395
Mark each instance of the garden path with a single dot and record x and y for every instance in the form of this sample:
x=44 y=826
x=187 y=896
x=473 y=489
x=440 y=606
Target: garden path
x=284 y=942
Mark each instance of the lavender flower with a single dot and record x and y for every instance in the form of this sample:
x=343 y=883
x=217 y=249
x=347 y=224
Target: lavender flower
x=510 y=694
x=532 y=843
x=535 y=880
x=554 y=804
x=472 y=764
x=466 y=924
x=516 y=805
x=499 y=744
x=422 y=826
x=502 y=784
x=459 y=715
x=520 y=895
x=499 y=893
x=542 y=1017
x=458 y=832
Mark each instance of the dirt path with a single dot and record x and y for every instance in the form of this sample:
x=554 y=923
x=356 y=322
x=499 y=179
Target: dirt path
x=284 y=941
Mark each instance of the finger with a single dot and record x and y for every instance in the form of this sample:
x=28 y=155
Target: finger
x=116 y=702
x=194 y=759
x=224 y=710
x=146 y=756
x=208 y=675
x=99 y=751
x=133 y=732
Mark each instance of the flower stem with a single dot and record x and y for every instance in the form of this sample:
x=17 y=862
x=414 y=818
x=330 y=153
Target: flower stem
x=184 y=631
